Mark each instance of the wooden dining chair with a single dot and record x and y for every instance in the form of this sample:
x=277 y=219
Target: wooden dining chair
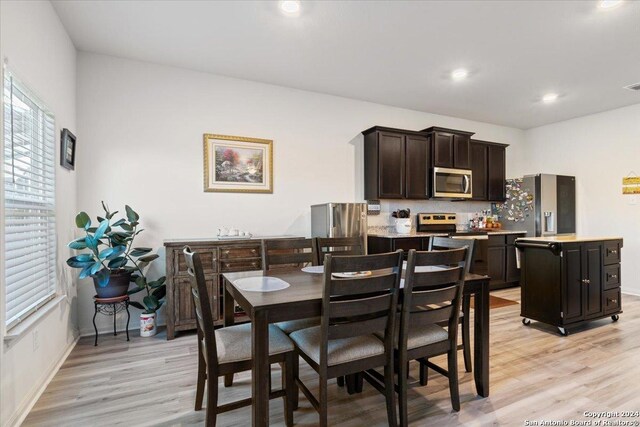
x=339 y=246
x=226 y=351
x=353 y=309
x=444 y=243
x=430 y=297
x=290 y=253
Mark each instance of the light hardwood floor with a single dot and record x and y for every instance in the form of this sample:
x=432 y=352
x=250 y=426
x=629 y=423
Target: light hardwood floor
x=535 y=375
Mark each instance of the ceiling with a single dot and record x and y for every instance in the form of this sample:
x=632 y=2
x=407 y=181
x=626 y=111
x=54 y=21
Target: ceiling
x=393 y=52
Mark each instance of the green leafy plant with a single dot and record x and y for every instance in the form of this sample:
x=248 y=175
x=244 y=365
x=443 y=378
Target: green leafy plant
x=111 y=251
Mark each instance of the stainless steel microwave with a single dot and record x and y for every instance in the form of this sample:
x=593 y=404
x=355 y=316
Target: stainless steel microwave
x=452 y=183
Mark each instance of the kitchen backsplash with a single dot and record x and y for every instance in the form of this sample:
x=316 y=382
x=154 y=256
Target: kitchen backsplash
x=465 y=211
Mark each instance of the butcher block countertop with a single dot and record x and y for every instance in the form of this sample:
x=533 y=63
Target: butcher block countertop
x=566 y=239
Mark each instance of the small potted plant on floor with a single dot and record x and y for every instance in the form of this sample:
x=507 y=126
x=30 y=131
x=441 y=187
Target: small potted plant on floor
x=155 y=291
x=112 y=260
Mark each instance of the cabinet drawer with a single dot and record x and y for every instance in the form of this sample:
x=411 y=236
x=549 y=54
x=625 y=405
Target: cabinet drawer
x=234 y=252
x=208 y=256
x=611 y=252
x=611 y=300
x=497 y=240
x=227 y=266
x=612 y=276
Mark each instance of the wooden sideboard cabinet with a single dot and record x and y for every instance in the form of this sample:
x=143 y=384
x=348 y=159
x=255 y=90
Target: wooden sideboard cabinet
x=217 y=257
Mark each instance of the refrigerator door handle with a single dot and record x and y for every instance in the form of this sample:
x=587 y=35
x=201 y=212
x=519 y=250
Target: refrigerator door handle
x=332 y=227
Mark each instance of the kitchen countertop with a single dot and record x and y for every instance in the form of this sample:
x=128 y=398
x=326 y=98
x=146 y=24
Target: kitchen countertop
x=567 y=239
x=392 y=235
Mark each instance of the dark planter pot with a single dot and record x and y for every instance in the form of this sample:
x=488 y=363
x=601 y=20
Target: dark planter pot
x=118 y=286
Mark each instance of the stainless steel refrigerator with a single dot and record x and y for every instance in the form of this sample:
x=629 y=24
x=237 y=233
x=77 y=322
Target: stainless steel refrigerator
x=339 y=220
x=541 y=205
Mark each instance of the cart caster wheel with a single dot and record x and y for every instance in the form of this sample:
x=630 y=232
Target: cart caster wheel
x=526 y=321
x=615 y=317
x=563 y=332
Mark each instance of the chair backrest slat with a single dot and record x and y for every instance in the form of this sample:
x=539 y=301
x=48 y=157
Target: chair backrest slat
x=338 y=246
x=363 y=327
x=288 y=253
x=359 y=305
x=436 y=277
x=433 y=296
x=432 y=316
x=202 y=307
x=357 y=286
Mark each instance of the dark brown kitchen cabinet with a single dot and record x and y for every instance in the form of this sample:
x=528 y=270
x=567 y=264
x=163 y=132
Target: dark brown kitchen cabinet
x=479 y=164
x=379 y=244
x=496 y=173
x=396 y=164
x=567 y=284
x=449 y=147
x=417 y=167
x=496 y=258
x=488 y=168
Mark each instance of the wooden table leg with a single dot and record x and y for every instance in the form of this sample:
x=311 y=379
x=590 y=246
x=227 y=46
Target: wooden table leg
x=260 y=369
x=481 y=340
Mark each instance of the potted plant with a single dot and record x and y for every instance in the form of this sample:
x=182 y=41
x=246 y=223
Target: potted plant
x=112 y=260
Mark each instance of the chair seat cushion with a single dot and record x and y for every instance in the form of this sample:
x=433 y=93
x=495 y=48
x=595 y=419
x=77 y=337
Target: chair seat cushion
x=422 y=335
x=234 y=342
x=295 y=325
x=339 y=350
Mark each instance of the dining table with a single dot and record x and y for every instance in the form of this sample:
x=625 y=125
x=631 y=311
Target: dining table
x=301 y=299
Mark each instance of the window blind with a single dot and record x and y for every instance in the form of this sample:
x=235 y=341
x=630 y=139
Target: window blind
x=29 y=202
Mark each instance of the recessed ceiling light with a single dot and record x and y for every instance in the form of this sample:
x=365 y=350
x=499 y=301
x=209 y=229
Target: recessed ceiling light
x=290 y=7
x=609 y=4
x=459 y=74
x=550 y=97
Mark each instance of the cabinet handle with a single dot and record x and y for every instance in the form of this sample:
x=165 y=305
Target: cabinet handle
x=613 y=251
x=253 y=251
x=613 y=276
x=254 y=264
x=614 y=301
x=226 y=252
x=586 y=281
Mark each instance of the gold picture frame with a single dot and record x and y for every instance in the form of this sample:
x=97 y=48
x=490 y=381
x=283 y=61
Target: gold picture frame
x=237 y=164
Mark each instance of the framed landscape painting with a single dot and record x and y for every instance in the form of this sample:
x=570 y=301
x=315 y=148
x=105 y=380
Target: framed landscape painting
x=238 y=164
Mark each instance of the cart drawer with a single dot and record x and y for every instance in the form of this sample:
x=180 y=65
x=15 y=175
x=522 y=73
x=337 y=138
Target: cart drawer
x=612 y=276
x=612 y=301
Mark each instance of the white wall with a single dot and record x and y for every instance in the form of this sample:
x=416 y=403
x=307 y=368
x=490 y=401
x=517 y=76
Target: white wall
x=140 y=133
x=599 y=150
x=41 y=54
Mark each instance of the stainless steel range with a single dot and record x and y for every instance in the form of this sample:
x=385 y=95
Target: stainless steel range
x=436 y=222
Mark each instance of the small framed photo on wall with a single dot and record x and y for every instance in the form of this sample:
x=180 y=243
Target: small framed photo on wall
x=67 y=149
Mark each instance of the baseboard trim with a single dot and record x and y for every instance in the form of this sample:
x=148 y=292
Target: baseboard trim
x=28 y=403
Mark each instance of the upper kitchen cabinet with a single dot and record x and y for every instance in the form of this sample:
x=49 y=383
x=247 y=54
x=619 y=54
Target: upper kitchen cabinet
x=396 y=164
x=488 y=168
x=450 y=148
